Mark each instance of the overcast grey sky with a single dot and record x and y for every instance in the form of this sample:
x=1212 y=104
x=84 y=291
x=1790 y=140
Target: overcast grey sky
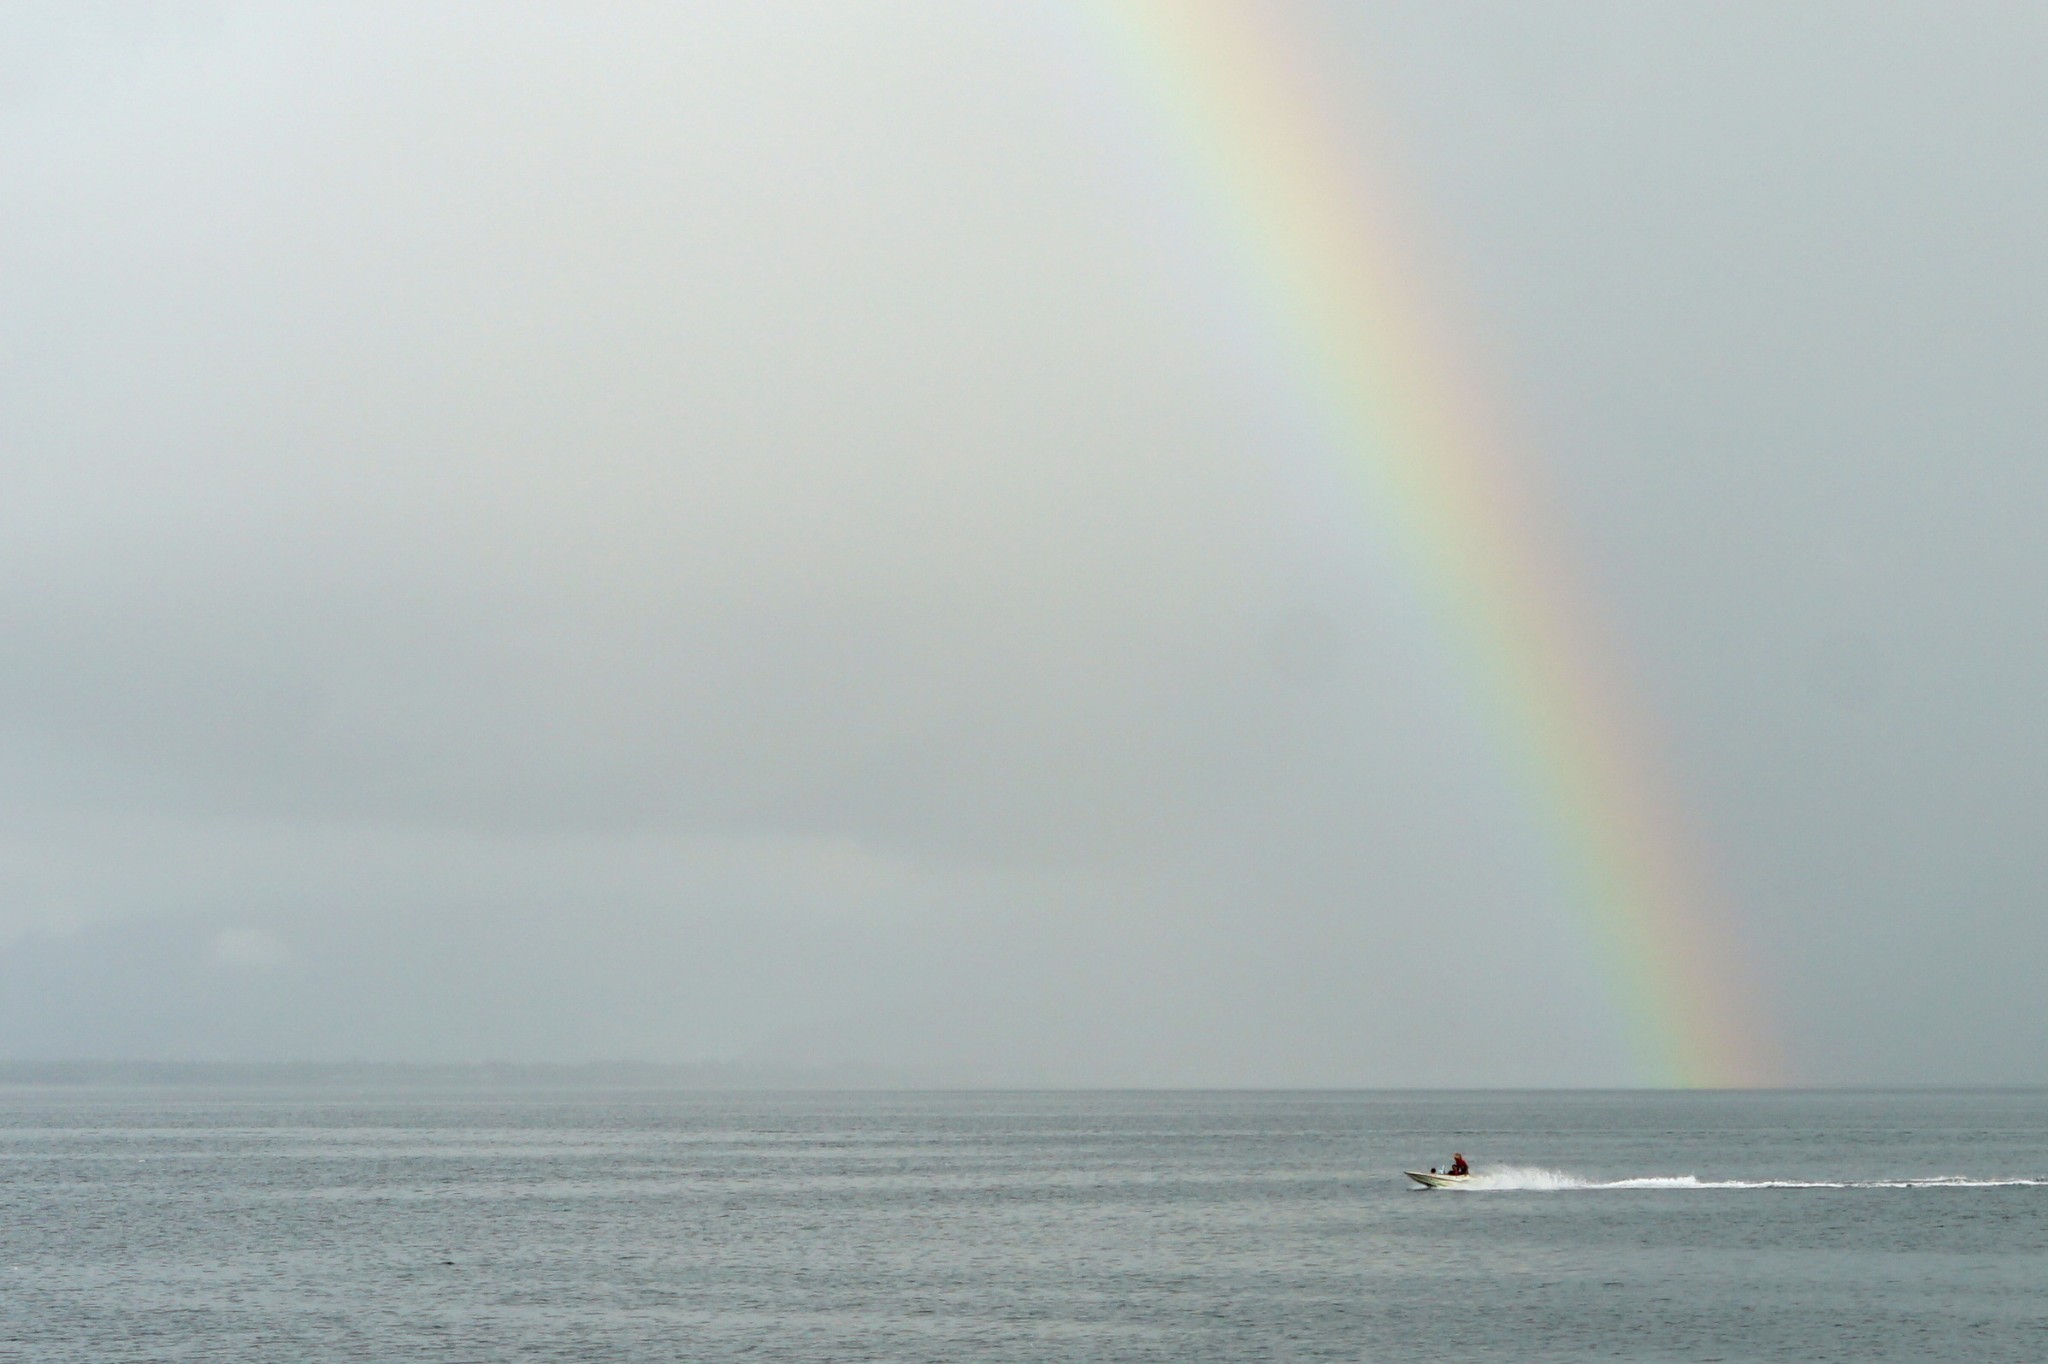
x=749 y=531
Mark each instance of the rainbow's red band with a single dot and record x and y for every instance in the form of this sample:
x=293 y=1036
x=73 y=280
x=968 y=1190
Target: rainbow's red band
x=1310 y=227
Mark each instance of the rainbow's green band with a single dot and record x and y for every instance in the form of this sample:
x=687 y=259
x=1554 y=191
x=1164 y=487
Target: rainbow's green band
x=1305 y=225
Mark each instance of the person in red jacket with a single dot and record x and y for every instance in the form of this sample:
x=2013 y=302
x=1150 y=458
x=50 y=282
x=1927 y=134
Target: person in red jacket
x=1458 y=1165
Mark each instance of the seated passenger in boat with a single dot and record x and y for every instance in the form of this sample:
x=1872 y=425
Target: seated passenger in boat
x=1458 y=1165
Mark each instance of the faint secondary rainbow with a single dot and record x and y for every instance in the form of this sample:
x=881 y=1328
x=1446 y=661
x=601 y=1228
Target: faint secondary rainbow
x=1302 y=218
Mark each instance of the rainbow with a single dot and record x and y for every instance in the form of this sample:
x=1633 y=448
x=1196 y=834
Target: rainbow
x=1340 y=297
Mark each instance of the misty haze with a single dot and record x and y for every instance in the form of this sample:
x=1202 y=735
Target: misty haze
x=786 y=536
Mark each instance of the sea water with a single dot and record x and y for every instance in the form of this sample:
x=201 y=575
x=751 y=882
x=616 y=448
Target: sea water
x=160 y=1225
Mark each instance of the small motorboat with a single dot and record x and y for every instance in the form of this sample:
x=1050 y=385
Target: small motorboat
x=1432 y=1180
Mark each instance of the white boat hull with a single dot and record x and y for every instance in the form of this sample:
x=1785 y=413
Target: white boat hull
x=1432 y=1180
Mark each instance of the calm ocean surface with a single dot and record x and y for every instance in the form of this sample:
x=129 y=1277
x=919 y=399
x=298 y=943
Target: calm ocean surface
x=166 y=1224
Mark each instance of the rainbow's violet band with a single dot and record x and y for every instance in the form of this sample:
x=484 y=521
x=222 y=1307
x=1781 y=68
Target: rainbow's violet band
x=1305 y=222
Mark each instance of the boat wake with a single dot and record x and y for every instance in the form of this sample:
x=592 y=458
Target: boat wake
x=1529 y=1177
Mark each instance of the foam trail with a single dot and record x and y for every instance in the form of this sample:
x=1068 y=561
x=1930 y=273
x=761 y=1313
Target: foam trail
x=1537 y=1179
x=1526 y=1177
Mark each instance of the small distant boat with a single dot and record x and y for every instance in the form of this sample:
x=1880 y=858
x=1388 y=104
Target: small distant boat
x=1433 y=1180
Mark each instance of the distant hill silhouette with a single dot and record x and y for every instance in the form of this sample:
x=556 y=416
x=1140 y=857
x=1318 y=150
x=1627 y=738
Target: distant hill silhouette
x=482 y=1075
